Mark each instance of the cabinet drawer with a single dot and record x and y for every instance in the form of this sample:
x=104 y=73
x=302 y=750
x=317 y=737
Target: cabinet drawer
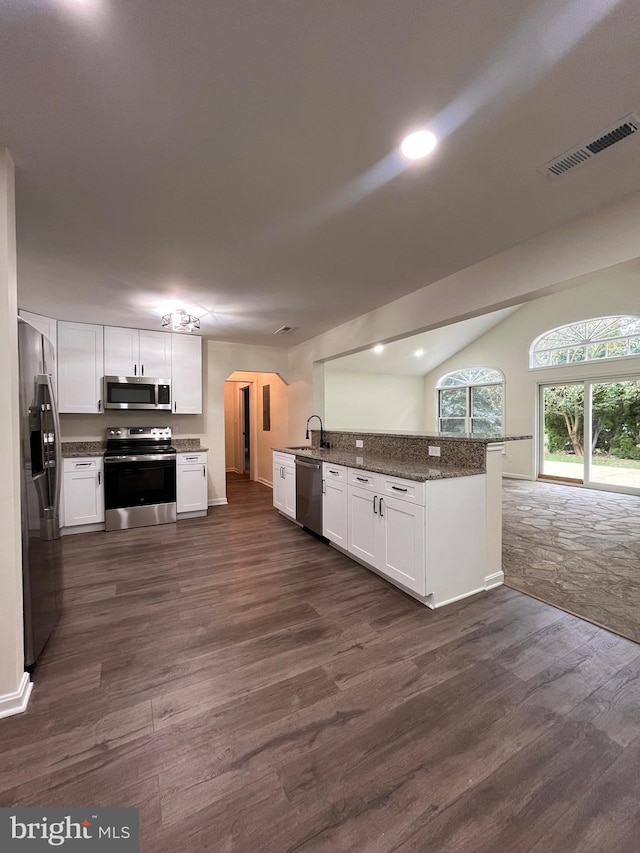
x=286 y=459
x=364 y=479
x=85 y=463
x=405 y=490
x=334 y=472
x=191 y=458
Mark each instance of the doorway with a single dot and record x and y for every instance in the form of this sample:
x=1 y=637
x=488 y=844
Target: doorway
x=245 y=432
x=590 y=434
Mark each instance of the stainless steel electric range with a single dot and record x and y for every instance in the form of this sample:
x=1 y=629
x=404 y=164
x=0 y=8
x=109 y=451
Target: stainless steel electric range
x=139 y=477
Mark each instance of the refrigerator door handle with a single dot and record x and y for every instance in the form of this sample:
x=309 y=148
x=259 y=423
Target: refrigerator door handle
x=57 y=446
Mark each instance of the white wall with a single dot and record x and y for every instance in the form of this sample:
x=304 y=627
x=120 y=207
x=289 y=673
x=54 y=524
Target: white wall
x=11 y=628
x=373 y=401
x=532 y=269
x=506 y=346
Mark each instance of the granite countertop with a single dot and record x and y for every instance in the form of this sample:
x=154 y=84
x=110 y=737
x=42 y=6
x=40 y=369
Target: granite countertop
x=419 y=471
x=75 y=449
x=450 y=436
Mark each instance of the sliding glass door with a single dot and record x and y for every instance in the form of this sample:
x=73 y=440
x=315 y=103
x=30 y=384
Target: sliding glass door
x=590 y=433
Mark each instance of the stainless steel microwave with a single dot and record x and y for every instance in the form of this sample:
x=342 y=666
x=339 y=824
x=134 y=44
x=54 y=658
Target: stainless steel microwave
x=138 y=393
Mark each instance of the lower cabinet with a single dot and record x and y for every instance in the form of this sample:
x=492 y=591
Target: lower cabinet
x=388 y=534
x=191 y=484
x=82 y=491
x=334 y=504
x=284 y=483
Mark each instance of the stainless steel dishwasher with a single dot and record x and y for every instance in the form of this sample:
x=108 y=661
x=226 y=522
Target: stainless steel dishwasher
x=309 y=494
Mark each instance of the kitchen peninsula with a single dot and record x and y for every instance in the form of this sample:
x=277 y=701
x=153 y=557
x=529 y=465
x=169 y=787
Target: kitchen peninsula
x=424 y=510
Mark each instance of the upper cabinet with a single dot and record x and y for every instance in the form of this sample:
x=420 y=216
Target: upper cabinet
x=80 y=367
x=186 y=374
x=133 y=352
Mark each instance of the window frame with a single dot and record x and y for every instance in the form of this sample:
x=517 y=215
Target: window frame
x=585 y=342
x=469 y=418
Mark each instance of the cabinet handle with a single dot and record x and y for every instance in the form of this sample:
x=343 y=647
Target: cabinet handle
x=174 y=406
x=135 y=369
x=99 y=405
x=399 y=489
x=282 y=473
x=82 y=464
x=363 y=479
x=99 y=478
x=204 y=472
x=381 y=513
x=375 y=498
x=333 y=472
x=142 y=370
x=324 y=488
x=190 y=458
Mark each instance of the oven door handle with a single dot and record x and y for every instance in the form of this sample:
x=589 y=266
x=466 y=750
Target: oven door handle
x=148 y=457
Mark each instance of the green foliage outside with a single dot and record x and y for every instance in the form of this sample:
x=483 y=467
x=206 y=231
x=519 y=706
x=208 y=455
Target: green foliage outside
x=615 y=422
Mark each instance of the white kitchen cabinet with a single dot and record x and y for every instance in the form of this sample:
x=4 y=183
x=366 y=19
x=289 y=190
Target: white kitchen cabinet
x=80 y=367
x=137 y=352
x=83 y=491
x=186 y=374
x=363 y=524
x=334 y=504
x=401 y=543
x=388 y=532
x=191 y=484
x=284 y=483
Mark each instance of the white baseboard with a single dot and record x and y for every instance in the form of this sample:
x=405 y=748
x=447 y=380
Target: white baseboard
x=265 y=482
x=218 y=502
x=82 y=528
x=233 y=471
x=496 y=579
x=507 y=475
x=200 y=513
x=16 y=703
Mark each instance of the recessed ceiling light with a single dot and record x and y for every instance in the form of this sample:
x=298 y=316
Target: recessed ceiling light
x=419 y=352
x=418 y=144
x=378 y=348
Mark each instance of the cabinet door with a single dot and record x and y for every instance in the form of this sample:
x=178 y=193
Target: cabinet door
x=335 y=512
x=362 y=524
x=401 y=535
x=83 y=498
x=278 y=486
x=121 y=351
x=191 y=487
x=80 y=367
x=186 y=374
x=155 y=355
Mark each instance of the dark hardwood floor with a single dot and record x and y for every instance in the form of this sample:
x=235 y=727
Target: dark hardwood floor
x=251 y=689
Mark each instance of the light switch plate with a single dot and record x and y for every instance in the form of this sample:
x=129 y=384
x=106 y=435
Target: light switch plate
x=359 y=442
x=434 y=451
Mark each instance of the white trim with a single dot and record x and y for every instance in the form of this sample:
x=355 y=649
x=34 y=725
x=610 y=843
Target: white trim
x=496 y=579
x=457 y=597
x=265 y=482
x=198 y=513
x=233 y=471
x=16 y=703
x=218 y=502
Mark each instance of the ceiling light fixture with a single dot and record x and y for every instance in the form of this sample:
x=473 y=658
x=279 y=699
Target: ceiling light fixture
x=181 y=321
x=418 y=144
x=378 y=348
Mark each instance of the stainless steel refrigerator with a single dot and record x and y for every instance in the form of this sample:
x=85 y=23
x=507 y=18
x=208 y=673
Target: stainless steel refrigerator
x=41 y=472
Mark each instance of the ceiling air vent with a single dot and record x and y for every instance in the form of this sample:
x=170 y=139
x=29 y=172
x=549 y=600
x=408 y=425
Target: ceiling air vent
x=575 y=156
x=283 y=330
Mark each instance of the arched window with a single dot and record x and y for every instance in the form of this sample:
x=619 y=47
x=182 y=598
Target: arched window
x=471 y=400
x=589 y=340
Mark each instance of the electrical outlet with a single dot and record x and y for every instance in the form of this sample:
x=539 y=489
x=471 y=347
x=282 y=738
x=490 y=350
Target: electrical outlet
x=359 y=442
x=433 y=450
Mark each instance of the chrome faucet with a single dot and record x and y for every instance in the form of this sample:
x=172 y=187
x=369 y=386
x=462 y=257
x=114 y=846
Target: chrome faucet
x=323 y=443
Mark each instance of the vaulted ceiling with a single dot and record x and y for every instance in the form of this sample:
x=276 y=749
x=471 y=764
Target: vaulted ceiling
x=236 y=157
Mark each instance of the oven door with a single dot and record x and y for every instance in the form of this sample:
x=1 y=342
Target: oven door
x=139 y=491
